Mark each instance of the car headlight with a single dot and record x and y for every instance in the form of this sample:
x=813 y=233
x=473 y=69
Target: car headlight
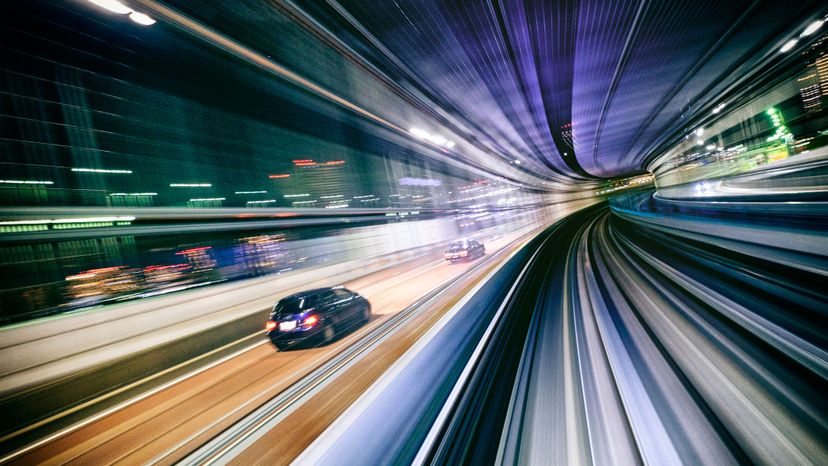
x=463 y=253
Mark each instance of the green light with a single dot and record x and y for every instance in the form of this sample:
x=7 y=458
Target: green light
x=771 y=111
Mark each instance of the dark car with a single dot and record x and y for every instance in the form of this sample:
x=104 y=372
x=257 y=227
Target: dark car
x=464 y=250
x=316 y=316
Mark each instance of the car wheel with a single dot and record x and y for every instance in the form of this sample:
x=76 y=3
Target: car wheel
x=328 y=333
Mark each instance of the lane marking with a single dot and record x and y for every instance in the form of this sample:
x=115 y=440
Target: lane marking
x=68 y=430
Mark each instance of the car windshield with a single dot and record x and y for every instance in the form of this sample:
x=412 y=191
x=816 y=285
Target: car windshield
x=459 y=245
x=294 y=305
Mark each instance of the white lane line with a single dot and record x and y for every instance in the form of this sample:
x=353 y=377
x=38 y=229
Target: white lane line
x=259 y=427
x=462 y=381
x=314 y=452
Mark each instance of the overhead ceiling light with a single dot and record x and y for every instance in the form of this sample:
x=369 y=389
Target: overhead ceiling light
x=100 y=170
x=141 y=19
x=699 y=131
x=812 y=28
x=113 y=5
x=432 y=138
x=788 y=45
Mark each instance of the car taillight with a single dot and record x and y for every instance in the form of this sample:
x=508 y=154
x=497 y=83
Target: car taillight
x=310 y=321
x=270 y=325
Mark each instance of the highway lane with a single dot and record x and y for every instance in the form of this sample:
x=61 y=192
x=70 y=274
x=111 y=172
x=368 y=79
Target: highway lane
x=606 y=341
x=168 y=423
x=624 y=344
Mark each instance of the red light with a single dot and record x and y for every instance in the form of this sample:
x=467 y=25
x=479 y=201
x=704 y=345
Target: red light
x=305 y=164
x=303 y=161
x=310 y=321
x=282 y=175
x=335 y=162
x=270 y=325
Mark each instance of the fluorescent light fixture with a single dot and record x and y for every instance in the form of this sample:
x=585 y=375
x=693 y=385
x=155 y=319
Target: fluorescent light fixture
x=432 y=138
x=100 y=170
x=26 y=182
x=93 y=219
x=699 y=142
x=251 y=192
x=190 y=185
x=266 y=201
x=699 y=131
x=206 y=199
x=710 y=147
x=288 y=196
x=113 y=5
x=812 y=28
x=788 y=45
x=117 y=7
x=141 y=19
x=68 y=220
x=134 y=194
x=26 y=222
x=409 y=181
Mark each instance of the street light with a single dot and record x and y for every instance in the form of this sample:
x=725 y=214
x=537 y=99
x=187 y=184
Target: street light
x=141 y=19
x=788 y=45
x=113 y=5
x=119 y=8
x=812 y=28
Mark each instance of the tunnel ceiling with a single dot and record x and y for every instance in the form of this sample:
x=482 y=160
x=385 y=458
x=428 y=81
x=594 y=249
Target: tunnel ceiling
x=589 y=88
